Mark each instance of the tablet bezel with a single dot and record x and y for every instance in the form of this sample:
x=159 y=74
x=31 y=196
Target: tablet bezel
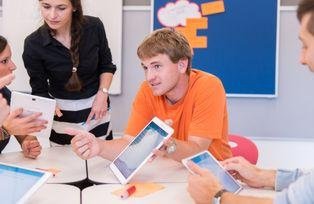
x=116 y=170
x=35 y=187
x=35 y=104
x=185 y=160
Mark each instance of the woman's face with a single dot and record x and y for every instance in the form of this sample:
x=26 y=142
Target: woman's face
x=7 y=66
x=57 y=13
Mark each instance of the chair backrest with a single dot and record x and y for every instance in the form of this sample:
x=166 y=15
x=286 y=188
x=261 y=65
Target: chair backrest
x=243 y=146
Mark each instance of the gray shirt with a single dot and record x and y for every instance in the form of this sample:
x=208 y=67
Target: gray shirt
x=296 y=187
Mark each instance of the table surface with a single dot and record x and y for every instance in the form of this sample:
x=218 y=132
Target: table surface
x=72 y=168
x=171 y=174
x=175 y=193
x=172 y=193
x=169 y=171
x=58 y=193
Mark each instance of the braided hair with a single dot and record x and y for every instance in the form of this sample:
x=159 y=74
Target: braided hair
x=74 y=83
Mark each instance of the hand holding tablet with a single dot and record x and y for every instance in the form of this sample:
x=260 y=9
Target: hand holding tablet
x=130 y=160
x=207 y=161
x=35 y=117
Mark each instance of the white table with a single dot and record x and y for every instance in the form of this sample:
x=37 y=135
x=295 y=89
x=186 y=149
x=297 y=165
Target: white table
x=247 y=191
x=72 y=168
x=174 y=193
x=161 y=170
x=55 y=193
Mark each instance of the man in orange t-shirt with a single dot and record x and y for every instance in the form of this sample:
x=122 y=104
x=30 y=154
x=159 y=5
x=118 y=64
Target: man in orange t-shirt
x=201 y=112
x=192 y=101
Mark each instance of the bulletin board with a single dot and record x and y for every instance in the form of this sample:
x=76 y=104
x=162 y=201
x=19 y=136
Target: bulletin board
x=236 y=40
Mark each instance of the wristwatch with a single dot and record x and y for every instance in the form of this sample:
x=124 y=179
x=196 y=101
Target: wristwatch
x=217 y=197
x=172 y=147
x=104 y=90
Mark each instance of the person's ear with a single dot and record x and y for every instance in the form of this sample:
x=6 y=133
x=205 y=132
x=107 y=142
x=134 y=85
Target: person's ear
x=182 y=65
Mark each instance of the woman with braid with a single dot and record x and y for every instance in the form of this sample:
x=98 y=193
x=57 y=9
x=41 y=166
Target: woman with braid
x=68 y=59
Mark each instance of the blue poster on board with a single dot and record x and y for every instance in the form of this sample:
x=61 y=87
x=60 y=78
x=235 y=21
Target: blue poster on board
x=235 y=40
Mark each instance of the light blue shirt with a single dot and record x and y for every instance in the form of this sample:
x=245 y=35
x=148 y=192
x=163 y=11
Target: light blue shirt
x=297 y=187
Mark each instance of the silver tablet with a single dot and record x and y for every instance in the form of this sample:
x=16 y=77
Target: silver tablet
x=19 y=183
x=207 y=161
x=35 y=104
x=130 y=160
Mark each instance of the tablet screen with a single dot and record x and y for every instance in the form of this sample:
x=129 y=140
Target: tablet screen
x=17 y=183
x=140 y=148
x=206 y=161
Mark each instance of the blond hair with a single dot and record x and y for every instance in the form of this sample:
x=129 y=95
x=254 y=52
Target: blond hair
x=166 y=41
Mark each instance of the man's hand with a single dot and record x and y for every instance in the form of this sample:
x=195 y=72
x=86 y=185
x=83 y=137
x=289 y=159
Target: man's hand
x=248 y=173
x=17 y=125
x=84 y=144
x=31 y=147
x=202 y=185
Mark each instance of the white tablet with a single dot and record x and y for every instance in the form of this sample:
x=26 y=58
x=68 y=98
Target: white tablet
x=19 y=183
x=32 y=104
x=130 y=160
x=207 y=160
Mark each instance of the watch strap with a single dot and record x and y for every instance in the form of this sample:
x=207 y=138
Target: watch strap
x=172 y=147
x=218 y=195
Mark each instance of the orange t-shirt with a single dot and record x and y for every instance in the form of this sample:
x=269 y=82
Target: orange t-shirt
x=201 y=112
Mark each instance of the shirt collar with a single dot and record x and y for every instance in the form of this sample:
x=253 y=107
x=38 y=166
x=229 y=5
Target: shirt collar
x=47 y=39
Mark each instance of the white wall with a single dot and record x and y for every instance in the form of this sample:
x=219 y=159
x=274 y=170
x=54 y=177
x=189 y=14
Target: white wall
x=287 y=154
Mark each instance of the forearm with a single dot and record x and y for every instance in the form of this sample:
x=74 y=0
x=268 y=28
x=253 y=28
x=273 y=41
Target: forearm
x=110 y=149
x=185 y=149
x=230 y=198
x=267 y=177
x=105 y=80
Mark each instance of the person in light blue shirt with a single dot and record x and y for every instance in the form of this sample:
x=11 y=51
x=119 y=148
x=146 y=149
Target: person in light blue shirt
x=295 y=186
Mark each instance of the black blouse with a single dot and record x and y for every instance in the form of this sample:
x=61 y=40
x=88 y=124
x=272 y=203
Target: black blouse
x=49 y=63
x=6 y=93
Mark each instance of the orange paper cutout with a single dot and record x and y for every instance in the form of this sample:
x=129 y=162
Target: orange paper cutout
x=190 y=32
x=142 y=189
x=213 y=7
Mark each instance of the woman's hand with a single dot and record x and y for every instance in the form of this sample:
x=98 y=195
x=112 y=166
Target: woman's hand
x=4 y=110
x=58 y=111
x=15 y=124
x=99 y=108
x=31 y=147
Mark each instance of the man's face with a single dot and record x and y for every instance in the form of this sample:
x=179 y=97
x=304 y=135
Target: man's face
x=7 y=66
x=307 y=39
x=162 y=74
